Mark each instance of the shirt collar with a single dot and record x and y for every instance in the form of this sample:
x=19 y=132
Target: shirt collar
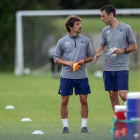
x=73 y=36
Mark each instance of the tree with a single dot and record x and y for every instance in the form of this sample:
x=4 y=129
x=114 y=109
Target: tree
x=82 y=4
x=125 y=3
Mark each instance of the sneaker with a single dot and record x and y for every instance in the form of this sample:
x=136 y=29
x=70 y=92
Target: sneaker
x=84 y=130
x=65 y=130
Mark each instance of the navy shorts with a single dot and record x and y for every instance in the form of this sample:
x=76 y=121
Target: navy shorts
x=81 y=86
x=116 y=80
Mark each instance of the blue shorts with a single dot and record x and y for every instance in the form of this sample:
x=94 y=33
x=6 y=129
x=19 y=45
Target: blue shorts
x=116 y=80
x=81 y=86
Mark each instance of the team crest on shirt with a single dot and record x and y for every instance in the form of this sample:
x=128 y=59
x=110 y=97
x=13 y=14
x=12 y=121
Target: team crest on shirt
x=121 y=30
x=82 y=42
x=108 y=31
x=67 y=43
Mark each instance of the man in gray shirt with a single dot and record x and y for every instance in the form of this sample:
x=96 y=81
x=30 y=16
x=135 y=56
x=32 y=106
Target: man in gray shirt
x=71 y=49
x=119 y=41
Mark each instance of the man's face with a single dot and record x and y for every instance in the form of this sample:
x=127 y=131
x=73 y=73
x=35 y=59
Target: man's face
x=76 y=27
x=106 y=18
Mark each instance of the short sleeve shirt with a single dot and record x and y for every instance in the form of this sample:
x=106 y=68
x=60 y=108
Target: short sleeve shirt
x=121 y=37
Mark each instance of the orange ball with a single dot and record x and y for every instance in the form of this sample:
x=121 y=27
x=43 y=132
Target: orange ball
x=124 y=131
x=117 y=133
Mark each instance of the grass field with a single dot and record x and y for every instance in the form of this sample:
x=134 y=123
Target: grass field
x=36 y=97
x=94 y=24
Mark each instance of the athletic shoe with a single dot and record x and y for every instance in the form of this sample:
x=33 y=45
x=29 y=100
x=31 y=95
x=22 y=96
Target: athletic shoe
x=84 y=130
x=65 y=130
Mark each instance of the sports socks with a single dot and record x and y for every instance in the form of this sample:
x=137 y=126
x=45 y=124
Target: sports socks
x=65 y=122
x=84 y=122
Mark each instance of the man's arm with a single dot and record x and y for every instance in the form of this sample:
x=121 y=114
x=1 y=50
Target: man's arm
x=87 y=60
x=131 y=48
x=58 y=54
x=98 y=53
x=63 y=62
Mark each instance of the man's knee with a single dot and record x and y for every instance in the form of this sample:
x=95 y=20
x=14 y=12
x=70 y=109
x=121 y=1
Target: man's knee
x=64 y=102
x=84 y=101
x=113 y=95
x=123 y=94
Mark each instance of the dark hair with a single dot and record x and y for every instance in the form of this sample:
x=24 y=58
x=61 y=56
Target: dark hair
x=70 y=21
x=109 y=9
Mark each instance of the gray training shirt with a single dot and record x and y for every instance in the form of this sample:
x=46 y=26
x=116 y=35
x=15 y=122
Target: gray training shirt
x=73 y=48
x=121 y=37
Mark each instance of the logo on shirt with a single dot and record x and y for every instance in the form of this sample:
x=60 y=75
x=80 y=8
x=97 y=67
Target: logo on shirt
x=67 y=43
x=82 y=42
x=121 y=30
x=108 y=31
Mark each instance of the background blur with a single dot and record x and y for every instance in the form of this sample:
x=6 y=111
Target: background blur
x=8 y=9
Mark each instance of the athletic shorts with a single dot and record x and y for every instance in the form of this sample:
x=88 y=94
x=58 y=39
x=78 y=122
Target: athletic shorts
x=116 y=80
x=81 y=86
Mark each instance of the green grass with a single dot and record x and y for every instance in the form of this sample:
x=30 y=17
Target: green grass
x=36 y=97
x=94 y=24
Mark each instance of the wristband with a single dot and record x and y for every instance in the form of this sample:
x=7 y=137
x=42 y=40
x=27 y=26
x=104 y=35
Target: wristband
x=125 y=50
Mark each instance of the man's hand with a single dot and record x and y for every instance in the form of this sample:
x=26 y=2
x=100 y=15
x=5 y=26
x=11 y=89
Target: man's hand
x=81 y=62
x=98 y=53
x=70 y=63
x=96 y=57
x=119 y=51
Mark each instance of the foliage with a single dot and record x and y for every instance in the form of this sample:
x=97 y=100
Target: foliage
x=82 y=4
x=97 y=4
x=126 y=3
